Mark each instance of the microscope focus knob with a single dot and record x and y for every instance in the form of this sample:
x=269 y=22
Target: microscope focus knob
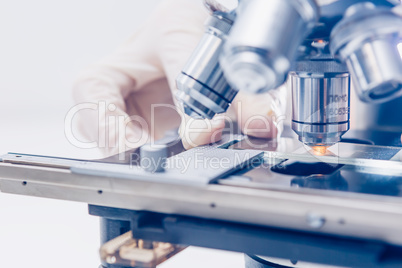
x=153 y=157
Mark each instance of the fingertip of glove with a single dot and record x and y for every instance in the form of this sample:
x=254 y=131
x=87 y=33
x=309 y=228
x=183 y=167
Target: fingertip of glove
x=196 y=133
x=260 y=128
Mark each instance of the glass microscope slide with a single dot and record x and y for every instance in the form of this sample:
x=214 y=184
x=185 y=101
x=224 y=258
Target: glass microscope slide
x=371 y=156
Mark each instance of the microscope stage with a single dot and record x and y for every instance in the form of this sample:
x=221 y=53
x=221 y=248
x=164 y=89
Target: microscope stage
x=353 y=190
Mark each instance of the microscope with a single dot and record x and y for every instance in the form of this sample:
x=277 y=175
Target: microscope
x=318 y=46
x=273 y=202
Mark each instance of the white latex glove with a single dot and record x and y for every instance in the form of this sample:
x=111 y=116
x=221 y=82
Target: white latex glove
x=142 y=73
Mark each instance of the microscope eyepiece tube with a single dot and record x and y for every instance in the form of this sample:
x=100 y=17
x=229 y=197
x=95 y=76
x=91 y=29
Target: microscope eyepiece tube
x=203 y=89
x=321 y=107
x=263 y=42
x=367 y=39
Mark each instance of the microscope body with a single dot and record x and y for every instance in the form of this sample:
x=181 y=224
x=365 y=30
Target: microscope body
x=319 y=47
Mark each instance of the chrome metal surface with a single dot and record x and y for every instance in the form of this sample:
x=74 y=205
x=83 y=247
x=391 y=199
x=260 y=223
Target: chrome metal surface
x=54 y=162
x=366 y=39
x=348 y=214
x=197 y=167
x=270 y=39
x=199 y=99
x=261 y=47
x=203 y=88
x=321 y=107
x=290 y=264
x=370 y=158
x=153 y=157
x=366 y=216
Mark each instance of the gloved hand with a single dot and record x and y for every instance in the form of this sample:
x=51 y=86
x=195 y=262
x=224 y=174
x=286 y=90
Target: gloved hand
x=134 y=86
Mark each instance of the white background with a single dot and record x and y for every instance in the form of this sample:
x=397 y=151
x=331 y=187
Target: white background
x=44 y=44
